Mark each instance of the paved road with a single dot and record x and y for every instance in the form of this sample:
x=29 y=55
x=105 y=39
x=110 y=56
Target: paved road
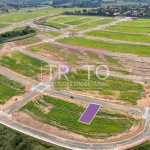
x=16 y=78
x=33 y=55
x=23 y=23
x=102 y=26
x=98 y=101
x=4 y=119
x=22 y=102
x=71 y=144
x=64 y=142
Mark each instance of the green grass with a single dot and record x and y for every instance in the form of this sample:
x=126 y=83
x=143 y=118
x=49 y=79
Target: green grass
x=23 y=64
x=144 y=146
x=112 y=47
x=80 y=21
x=18 y=17
x=4 y=25
x=120 y=36
x=54 y=25
x=62 y=19
x=129 y=29
x=65 y=115
x=136 y=23
x=126 y=90
x=9 y=88
x=28 y=41
x=92 y=24
x=142 y=19
x=52 y=34
x=14 y=140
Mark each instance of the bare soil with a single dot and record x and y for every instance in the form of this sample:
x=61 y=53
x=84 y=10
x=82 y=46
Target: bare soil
x=30 y=121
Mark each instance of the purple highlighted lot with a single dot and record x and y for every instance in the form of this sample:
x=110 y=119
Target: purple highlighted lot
x=89 y=113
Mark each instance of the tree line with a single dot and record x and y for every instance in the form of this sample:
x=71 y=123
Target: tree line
x=115 y=10
x=4 y=37
x=13 y=140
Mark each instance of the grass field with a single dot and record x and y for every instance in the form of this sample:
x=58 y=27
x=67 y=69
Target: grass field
x=113 y=47
x=72 y=57
x=18 y=17
x=4 y=25
x=51 y=34
x=65 y=115
x=9 y=89
x=92 y=24
x=81 y=20
x=129 y=29
x=137 y=23
x=120 y=36
x=23 y=64
x=62 y=18
x=54 y=25
x=28 y=41
x=120 y=89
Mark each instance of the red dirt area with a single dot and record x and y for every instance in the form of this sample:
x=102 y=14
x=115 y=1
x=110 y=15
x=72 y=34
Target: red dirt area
x=38 y=22
x=5 y=48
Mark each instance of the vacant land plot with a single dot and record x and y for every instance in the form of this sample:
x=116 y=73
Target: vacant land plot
x=129 y=29
x=28 y=41
x=18 y=17
x=52 y=34
x=113 y=47
x=92 y=24
x=120 y=36
x=136 y=23
x=23 y=64
x=54 y=25
x=62 y=18
x=81 y=20
x=73 y=57
x=9 y=89
x=65 y=115
x=120 y=89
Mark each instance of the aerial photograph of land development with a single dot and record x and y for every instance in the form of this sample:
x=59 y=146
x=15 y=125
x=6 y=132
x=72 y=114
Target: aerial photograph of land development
x=74 y=74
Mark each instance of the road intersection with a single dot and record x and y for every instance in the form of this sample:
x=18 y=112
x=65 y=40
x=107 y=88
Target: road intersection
x=38 y=88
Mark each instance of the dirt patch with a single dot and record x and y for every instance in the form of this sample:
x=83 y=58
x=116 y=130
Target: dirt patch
x=30 y=121
x=145 y=101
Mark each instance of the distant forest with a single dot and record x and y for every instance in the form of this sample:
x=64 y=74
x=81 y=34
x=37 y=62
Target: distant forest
x=89 y=3
x=62 y=3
